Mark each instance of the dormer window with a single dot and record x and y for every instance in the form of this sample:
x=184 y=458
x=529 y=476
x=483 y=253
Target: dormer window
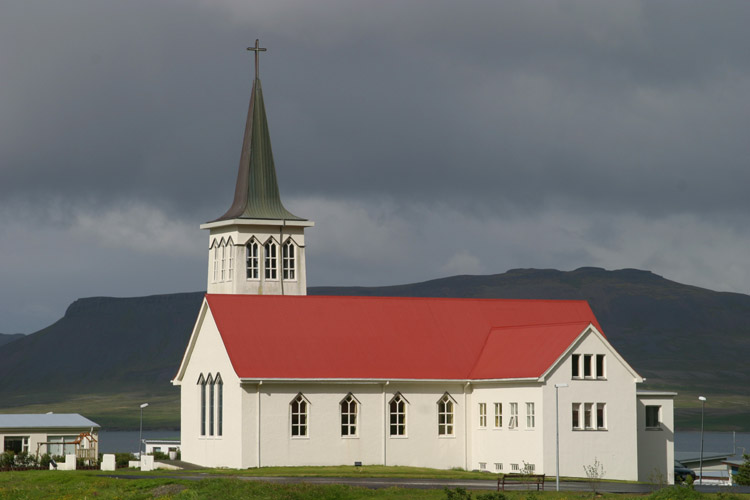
x=252 y=262
x=271 y=260
x=288 y=261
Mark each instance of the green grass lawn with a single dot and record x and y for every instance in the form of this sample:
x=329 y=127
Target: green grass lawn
x=83 y=485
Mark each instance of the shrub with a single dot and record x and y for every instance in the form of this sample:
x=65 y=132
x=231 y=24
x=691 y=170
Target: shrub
x=675 y=493
x=160 y=455
x=122 y=459
x=743 y=474
x=7 y=459
x=45 y=460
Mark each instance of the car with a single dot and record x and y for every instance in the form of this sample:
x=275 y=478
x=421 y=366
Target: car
x=681 y=473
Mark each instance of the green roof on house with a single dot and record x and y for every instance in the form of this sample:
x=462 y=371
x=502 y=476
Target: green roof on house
x=256 y=195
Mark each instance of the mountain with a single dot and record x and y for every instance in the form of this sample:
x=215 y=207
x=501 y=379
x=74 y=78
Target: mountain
x=680 y=337
x=9 y=337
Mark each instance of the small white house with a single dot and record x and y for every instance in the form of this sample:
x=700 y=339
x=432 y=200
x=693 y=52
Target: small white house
x=165 y=446
x=53 y=433
x=271 y=376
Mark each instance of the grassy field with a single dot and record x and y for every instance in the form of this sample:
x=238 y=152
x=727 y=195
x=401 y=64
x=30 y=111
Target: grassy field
x=42 y=485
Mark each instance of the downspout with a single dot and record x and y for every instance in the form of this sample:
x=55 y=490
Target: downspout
x=385 y=426
x=257 y=421
x=466 y=428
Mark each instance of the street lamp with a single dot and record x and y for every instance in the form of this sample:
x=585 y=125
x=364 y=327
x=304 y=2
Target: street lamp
x=703 y=407
x=140 y=436
x=557 y=436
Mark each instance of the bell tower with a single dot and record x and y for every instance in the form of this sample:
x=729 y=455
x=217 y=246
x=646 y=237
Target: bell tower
x=257 y=246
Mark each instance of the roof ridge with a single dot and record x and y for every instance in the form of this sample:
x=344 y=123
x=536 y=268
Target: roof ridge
x=396 y=297
x=537 y=325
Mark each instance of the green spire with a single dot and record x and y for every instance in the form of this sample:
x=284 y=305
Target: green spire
x=257 y=193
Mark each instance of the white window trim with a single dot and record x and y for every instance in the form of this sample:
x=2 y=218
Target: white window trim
x=530 y=416
x=285 y=259
x=497 y=414
x=270 y=243
x=446 y=400
x=257 y=258
x=356 y=404
x=405 y=413
x=482 y=415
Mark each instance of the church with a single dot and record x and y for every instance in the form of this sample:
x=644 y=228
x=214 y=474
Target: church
x=273 y=377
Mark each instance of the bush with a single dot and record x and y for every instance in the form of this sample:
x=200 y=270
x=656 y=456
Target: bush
x=160 y=455
x=45 y=460
x=462 y=494
x=7 y=459
x=743 y=474
x=122 y=459
x=675 y=493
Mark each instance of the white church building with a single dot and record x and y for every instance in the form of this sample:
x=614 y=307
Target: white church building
x=273 y=377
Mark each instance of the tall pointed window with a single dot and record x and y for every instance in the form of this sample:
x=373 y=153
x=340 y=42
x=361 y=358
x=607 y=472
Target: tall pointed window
x=230 y=258
x=216 y=262
x=397 y=411
x=288 y=260
x=219 y=405
x=445 y=416
x=271 y=260
x=251 y=253
x=223 y=262
x=210 y=384
x=298 y=409
x=202 y=384
x=349 y=416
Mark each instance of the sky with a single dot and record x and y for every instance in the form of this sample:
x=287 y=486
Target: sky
x=424 y=138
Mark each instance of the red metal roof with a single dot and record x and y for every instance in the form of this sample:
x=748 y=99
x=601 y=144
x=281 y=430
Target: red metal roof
x=299 y=337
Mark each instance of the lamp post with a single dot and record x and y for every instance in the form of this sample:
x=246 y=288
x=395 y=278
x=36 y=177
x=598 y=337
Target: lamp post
x=557 y=436
x=140 y=436
x=703 y=407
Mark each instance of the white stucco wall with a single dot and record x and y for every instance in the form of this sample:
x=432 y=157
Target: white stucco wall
x=210 y=357
x=656 y=446
x=504 y=445
x=240 y=235
x=324 y=444
x=616 y=448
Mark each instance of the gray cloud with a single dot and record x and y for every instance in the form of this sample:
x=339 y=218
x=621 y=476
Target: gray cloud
x=425 y=138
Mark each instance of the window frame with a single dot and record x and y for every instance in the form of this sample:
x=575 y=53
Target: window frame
x=211 y=405
x=446 y=416
x=513 y=420
x=271 y=260
x=601 y=416
x=252 y=260
x=289 y=261
x=530 y=415
x=588 y=369
x=230 y=259
x=498 y=416
x=219 y=405
x=600 y=366
x=658 y=425
x=575 y=371
x=576 y=420
x=302 y=425
x=482 y=415
x=202 y=384
x=350 y=418
x=400 y=421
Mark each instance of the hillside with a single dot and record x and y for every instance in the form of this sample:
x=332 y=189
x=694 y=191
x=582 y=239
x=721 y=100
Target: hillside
x=106 y=354
x=9 y=337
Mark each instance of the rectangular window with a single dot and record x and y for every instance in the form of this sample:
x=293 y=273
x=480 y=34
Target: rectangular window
x=515 y=468
x=600 y=366
x=498 y=415
x=575 y=361
x=576 y=415
x=16 y=444
x=513 y=422
x=587 y=365
x=482 y=414
x=601 y=422
x=530 y=420
x=652 y=417
x=498 y=466
x=61 y=445
x=216 y=264
x=482 y=465
x=587 y=417
x=397 y=409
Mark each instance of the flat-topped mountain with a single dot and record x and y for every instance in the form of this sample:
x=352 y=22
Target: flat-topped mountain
x=680 y=337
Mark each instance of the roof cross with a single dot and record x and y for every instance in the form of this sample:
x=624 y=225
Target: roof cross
x=257 y=49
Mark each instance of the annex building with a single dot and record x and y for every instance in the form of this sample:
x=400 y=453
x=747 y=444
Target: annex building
x=273 y=377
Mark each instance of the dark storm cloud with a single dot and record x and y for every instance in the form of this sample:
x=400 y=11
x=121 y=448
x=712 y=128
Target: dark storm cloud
x=547 y=134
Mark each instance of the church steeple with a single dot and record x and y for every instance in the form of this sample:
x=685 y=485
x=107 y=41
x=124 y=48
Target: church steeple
x=256 y=195
x=257 y=246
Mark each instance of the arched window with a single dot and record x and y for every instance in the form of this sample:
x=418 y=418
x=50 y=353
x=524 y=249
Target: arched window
x=445 y=416
x=288 y=262
x=210 y=383
x=202 y=384
x=230 y=256
x=349 y=408
x=271 y=260
x=216 y=262
x=397 y=412
x=223 y=262
x=219 y=405
x=251 y=255
x=298 y=408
